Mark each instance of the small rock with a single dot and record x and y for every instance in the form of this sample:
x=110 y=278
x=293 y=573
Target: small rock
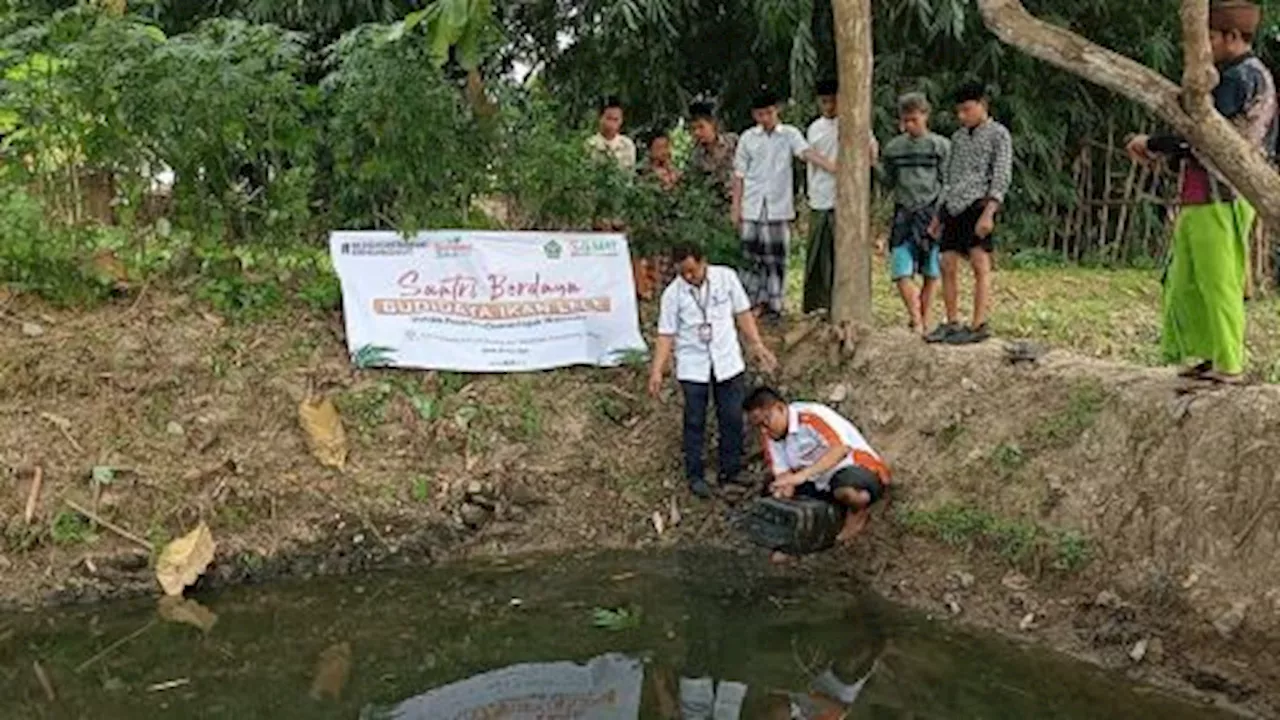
x=1028 y=622
x=175 y=429
x=1155 y=651
x=473 y=516
x=839 y=393
x=31 y=329
x=5 y=563
x=1016 y=582
x=474 y=488
x=952 y=604
x=1109 y=600
x=358 y=539
x=962 y=579
x=516 y=602
x=1230 y=621
x=968 y=385
x=1139 y=650
x=658 y=523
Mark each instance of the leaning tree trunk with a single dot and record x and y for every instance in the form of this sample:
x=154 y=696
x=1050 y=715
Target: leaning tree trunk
x=1189 y=109
x=851 y=303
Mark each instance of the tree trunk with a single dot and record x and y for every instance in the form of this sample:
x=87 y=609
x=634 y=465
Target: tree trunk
x=1189 y=109
x=851 y=304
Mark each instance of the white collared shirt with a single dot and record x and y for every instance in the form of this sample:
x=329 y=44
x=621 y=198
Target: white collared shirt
x=763 y=161
x=681 y=313
x=824 y=136
x=812 y=430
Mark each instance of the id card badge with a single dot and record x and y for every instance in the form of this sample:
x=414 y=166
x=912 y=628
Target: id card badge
x=704 y=333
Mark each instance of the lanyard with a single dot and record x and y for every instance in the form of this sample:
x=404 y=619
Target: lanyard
x=701 y=301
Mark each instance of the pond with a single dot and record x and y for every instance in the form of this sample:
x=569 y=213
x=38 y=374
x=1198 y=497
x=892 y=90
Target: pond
x=600 y=636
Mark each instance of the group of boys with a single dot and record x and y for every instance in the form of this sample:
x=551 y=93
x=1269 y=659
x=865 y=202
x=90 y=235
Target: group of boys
x=948 y=194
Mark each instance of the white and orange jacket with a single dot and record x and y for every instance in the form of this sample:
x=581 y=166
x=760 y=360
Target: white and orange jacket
x=812 y=430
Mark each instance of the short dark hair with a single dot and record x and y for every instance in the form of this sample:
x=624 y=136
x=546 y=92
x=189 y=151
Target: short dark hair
x=764 y=99
x=829 y=86
x=762 y=398
x=913 y=102
x=972 y=91
x=702 y=111
x=686 y=250
x=652 y=135
x=610 y=101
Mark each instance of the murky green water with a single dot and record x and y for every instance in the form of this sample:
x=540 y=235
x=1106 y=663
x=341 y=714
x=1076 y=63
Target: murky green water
x=683 y=615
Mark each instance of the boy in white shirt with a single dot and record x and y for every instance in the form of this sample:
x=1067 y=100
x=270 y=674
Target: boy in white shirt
x=764 y=201
x=609 y=142
x=814 y=452
x=701 y=314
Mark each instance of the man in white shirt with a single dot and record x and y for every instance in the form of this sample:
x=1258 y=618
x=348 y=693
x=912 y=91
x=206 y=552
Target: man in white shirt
x=764 y=200
x=702 y=312
x=609 y=141
x=814 y=452
x=820 y=260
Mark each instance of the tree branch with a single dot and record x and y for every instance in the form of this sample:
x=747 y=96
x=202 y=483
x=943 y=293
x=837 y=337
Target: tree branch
x=1207 y=131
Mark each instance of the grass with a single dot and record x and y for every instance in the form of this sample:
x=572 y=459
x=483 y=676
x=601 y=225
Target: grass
x=1008 y=458
x=1015 y=540
x=71 y=528
x=1064 y=427
x=1100 y=313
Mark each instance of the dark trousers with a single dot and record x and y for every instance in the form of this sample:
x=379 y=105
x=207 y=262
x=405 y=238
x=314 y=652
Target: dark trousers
x=729 y=396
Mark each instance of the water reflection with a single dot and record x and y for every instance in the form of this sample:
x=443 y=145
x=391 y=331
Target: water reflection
x=621 y=637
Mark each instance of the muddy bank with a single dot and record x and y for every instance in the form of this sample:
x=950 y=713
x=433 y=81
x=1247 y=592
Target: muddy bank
x=1085 y=505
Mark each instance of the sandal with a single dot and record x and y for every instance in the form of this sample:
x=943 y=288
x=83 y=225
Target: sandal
x=1214 y=376
x=1196 y=372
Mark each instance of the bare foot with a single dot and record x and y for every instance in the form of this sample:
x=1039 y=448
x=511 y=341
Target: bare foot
x=854 y=523
x=777 y=557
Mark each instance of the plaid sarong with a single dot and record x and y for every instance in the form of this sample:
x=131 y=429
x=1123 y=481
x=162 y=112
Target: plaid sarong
x=764 y=247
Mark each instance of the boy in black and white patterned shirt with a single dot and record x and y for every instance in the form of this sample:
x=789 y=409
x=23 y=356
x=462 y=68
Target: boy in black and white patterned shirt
x=975 y=180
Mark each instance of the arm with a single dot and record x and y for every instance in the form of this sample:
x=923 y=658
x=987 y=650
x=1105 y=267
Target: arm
x=741 y=164
x=814 y=157
x=1001 y=173
x=746 y=321
x=661 y=357
x=829 y=460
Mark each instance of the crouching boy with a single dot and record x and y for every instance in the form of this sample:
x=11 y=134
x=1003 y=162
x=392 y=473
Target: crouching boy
x=814 y=452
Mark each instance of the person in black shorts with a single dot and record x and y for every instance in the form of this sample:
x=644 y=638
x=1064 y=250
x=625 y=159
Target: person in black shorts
x=975 y=180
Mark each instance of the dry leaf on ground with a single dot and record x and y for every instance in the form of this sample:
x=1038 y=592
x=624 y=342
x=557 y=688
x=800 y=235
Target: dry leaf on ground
x=332 y=669
x=322 y=424
x=184 y=560
x=176 y=609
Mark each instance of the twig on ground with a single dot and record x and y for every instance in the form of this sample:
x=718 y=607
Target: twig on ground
x=115 y=646
x=133 y=307
x=43 y=677
x=108 y=525
x=33 y=496
x=161 y=687
x=64 y=426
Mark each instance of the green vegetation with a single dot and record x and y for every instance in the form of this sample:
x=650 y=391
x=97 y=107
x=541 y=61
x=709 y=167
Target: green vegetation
x=617 y=619
x=1064 y=427
x=1008 y=458
x=1017 y=541
x=421 y=490
x=71 y=528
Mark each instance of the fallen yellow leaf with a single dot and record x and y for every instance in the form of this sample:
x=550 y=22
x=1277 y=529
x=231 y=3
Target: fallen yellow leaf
x=332 y=669
x=176 y=609
x=184 y=560
x=320 y=421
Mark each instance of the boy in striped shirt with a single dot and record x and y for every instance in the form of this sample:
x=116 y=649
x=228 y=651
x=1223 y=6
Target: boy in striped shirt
x=814 y=452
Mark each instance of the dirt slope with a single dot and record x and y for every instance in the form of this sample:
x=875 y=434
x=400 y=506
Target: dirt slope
x=1088 y=505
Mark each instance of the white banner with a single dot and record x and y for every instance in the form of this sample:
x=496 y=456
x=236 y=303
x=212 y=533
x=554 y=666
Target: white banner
x=607 y=688
x=487 y=301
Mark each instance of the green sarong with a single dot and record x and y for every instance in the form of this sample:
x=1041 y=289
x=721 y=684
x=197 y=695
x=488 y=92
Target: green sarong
x=820 y=262
x=1204 y=285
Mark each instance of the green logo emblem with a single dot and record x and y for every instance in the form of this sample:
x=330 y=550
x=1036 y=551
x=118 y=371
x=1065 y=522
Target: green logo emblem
x=553 y=250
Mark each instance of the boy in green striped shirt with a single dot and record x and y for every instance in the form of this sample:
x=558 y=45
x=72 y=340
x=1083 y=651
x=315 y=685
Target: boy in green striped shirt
x=911 y=165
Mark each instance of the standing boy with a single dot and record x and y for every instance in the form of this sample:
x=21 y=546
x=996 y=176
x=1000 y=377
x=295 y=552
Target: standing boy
x=1204 y=316
x=764 y=201
x=820 y=262
x=609 y=140
x=713 y=150
x=702 y=312
x=912 y=164
x=975 y=180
